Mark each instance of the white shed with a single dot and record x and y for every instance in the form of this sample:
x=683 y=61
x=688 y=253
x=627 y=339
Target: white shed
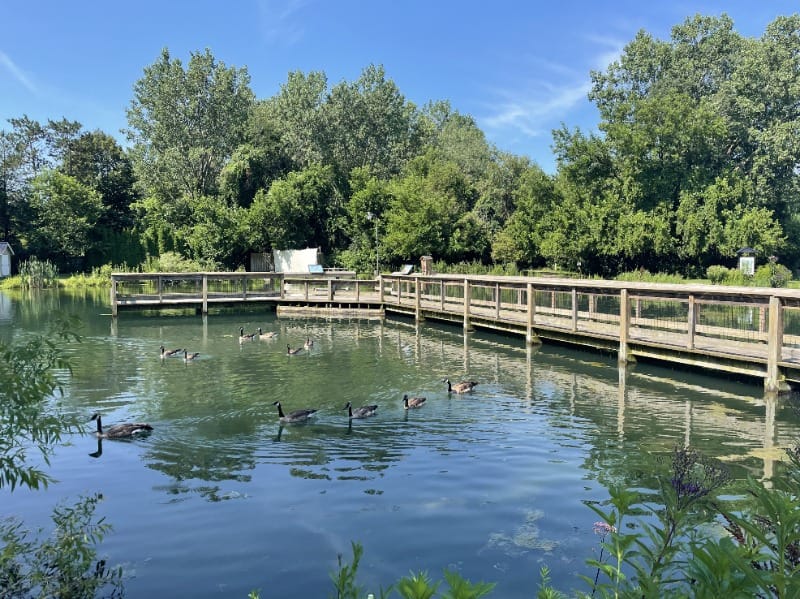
x=295 y=261
x=5 y=258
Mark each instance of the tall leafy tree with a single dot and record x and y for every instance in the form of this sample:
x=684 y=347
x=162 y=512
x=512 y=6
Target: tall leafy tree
x=294 y=115
x=64 y=214
x=696 y=139
x=185 y=123
x=300 y=210
x=96 y=160
x=369 y=124
x=252 y=168
x=429 y=213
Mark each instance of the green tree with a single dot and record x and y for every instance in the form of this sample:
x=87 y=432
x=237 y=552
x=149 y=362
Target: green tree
x=430 y=213
x=300 y=210
x=294 y=114
x=365 y=221
x=215 y=235
x=520 y=239
x=186 y=123
x=96 y=160
x=251 y=168
x=65 y=212
x=369 y=124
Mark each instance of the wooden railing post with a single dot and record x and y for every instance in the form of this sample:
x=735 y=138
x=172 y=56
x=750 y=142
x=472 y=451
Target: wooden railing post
x=244 y=287
x=574 y=309
x=624 y=325
x=205 y=294
x=160 y=286
x=441 y=293
x=113 y=296
x=497 y=300
x=417 y=299
x=330 y=290
x=467 y=326
x=282 y=283
x=380 y=288
x=774 y=381
x=531 y=338
x=692 y=323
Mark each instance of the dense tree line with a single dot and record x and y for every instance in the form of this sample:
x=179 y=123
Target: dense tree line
x=696 y=156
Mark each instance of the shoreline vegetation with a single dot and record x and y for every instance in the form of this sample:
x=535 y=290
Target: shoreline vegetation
x=43 y=274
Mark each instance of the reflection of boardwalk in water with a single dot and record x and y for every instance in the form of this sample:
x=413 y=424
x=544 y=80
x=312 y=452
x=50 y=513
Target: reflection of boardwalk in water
x=598 y=394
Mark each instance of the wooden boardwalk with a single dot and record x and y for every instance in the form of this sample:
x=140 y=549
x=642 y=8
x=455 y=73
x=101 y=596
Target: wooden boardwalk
x=742 y=330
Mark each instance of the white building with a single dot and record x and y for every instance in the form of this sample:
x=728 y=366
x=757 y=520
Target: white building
x=5 y=258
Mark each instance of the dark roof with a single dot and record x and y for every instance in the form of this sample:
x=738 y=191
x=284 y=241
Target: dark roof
x=746 y=251
x=5 y=247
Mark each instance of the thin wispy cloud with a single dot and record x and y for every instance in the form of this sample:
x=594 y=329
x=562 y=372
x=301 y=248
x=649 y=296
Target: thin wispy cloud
x=541 y=104
x=281 y=20
x=535 y=114
x=613 y=49
x=8 y=65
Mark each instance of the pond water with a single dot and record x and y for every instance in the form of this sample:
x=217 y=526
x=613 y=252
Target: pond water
x=220 y=499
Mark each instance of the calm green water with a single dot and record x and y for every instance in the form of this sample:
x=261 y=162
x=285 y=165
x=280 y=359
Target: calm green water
x=220 y=499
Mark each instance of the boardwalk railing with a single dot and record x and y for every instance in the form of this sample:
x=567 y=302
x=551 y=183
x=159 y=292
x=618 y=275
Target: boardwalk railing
x=744 y=330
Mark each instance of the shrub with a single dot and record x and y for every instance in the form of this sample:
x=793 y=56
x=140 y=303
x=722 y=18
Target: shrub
x=37 y=274
x=174 y=262
x=648 y=277
x=772 y=274
x=737 y=277
x=62 y=564
x=716 y=274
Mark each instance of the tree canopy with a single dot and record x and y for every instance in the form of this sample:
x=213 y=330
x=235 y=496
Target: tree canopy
x=695 y=155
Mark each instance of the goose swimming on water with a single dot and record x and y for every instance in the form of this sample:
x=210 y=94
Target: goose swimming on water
x=245 y=336
x=309 y=343
x=188 y=357
x=362 y=412
x=462 y=387
x=411 y=403
x=295 y=416
x=165 y=353
x=291 y=351
x=267 y=335
x=120 y=431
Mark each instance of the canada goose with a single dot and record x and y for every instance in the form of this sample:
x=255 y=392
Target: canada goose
x=410 y=403
x=463 y=387
x=362 y=412
x=120 y=431
x=267 y=335
x=309 y=343
x=295 y=416
x=171 y=352
x=245 y=336
x=188 y=357
x=291 y=351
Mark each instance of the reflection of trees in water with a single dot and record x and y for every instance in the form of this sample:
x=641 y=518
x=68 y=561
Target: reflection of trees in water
x=324 y=452
x=197 y=459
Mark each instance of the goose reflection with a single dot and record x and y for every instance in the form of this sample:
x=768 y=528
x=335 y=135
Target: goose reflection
x=99 y=452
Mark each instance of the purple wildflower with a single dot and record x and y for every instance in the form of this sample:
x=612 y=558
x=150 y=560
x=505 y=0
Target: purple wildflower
x=602 y=528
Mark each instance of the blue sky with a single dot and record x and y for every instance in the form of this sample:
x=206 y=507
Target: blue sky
x=521 y=68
